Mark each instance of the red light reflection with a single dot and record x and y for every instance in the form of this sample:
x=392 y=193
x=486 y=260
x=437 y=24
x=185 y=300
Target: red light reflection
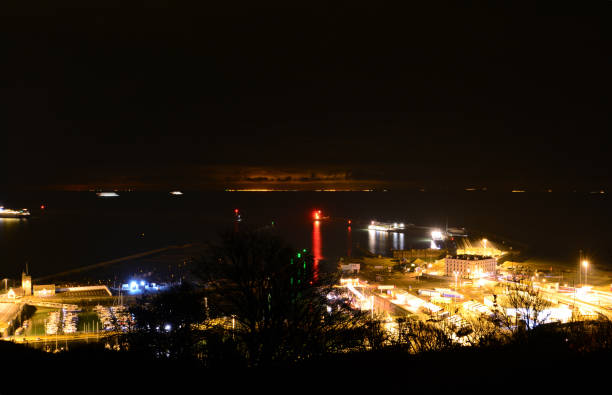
x=316 y=248
x=349 y=241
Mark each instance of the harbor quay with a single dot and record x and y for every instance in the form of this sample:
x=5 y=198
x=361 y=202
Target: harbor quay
x=455 y=290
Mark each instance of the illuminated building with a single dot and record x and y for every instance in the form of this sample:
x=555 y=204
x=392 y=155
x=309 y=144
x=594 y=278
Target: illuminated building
x=350 y=268
x=26 y=284
x=470 y=266
x=44 y=290
x=15 y=293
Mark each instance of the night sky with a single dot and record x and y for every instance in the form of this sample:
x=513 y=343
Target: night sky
x=169 y=94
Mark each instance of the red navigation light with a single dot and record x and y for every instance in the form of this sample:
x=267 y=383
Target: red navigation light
x=42 y=206
x=236 y=211
x=349 y=221
x=317 y=215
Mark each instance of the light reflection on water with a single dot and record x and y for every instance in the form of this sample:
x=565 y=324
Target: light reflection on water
x=316 y=246
x=10 y=222
x=398 y=241
x=381 y=242
x=349 y=242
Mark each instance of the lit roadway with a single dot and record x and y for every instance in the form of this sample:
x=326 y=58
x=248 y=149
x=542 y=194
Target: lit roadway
x=60 y=338
x=8 y=312
x=572 y=300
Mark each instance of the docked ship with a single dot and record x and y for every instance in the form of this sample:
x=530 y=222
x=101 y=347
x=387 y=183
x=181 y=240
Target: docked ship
x=9 y=213
x=456 y=232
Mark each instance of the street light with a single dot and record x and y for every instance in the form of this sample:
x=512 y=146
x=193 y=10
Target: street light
x=585 y=263
x=233 y=325
x=372 y=305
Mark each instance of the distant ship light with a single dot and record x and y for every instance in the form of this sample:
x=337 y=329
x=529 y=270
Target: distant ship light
x=107 y=194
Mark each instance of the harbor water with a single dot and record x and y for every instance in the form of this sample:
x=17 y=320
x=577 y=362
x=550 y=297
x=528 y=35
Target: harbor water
x=76 y=229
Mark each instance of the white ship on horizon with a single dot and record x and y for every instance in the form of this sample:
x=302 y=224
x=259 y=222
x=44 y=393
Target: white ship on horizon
x=10 y=213
x=107 y=194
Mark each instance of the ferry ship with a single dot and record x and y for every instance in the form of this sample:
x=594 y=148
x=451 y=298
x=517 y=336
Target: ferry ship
x=386 y=226
x=9 y=213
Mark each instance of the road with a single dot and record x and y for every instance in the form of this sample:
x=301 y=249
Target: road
x=60 y=338
x=572 y=300
x=8 y=311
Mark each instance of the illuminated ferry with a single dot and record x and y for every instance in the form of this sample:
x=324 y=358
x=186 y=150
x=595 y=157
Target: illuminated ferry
x=8 y=213
x=386 y=226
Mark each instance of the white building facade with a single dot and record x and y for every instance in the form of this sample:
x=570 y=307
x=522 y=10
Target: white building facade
x=470 y=266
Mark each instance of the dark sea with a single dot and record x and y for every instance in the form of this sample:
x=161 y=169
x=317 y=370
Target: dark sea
x=78 y=228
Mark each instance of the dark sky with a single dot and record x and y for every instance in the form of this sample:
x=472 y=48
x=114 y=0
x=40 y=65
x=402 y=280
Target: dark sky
x=162 y=94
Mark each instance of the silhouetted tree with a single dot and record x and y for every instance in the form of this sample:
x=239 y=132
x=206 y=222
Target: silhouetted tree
x=168 y=325
x=282 y=309
x=427 y=336
x=527 y=304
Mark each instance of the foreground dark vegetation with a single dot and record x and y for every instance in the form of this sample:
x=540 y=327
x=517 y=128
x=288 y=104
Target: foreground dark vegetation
x=255 y=308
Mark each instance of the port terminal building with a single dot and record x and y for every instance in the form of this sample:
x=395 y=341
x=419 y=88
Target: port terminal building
x=470 y=266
